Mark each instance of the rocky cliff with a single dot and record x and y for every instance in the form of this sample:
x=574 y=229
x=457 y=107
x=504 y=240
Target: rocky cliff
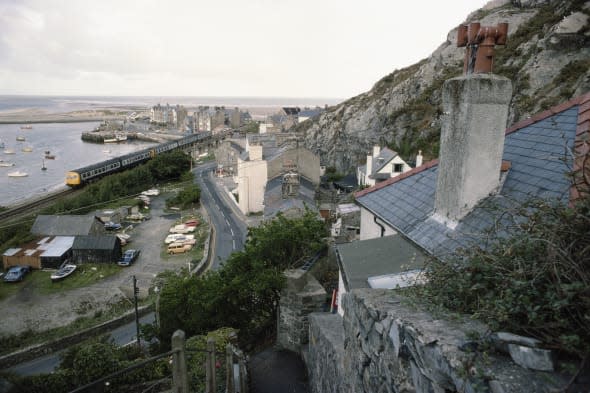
x=547 y=57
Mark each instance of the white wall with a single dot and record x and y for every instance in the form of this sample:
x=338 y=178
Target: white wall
x=369 y=229
x=251 y=185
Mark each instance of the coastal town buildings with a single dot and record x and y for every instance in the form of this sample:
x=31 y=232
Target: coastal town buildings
x=381 y=165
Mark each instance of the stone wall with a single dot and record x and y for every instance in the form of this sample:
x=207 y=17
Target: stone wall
x=302 y=296
x=383 y=345
x=307 y=163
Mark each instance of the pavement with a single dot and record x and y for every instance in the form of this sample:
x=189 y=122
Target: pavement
x=277 y=370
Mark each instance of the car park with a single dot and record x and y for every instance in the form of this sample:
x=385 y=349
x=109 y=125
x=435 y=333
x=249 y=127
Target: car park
x=16 y=273
x=191 y=223
x=128 y=257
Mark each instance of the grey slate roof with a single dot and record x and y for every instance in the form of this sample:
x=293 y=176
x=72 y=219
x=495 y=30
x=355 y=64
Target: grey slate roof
x=62 y=225
x=384 y=157
x=106 y=242
x=375 y=257
x=540 y=162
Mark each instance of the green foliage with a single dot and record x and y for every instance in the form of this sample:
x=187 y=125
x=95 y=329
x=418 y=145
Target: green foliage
x=244 y=292
x=332 y=174
x=186 y=197
x=195 y=347
x=534 y=282
x=252 y=128
x=169 y=166
x=90 y=361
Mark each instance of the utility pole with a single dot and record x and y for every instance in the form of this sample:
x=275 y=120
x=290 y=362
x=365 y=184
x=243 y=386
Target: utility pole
x=135 y=292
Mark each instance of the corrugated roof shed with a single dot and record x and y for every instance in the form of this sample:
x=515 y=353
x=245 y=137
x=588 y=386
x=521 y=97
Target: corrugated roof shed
x=538 y=151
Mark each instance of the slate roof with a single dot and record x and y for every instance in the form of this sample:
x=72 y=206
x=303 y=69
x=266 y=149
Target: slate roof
x=376 y=257
x=384 y=157
x=106 y=242
x=538 y=149
x=47 y=225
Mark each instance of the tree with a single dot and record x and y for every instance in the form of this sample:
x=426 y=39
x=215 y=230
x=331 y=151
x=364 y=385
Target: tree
x=244 y=292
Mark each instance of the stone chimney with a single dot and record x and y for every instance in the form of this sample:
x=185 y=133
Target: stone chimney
x=376 y=151
x=419 y=159
x=369 y=165
x=472 y=142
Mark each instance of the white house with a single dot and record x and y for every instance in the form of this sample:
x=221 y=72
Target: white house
x=381 y=165
x=251 y=177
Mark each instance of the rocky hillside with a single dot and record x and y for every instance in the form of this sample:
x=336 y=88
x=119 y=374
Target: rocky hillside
x=547 y=57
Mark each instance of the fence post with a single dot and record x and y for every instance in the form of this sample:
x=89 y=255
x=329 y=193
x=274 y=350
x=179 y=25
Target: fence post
x=243 y=374
x=211 y=381
x=229 y=365
x=179 y=374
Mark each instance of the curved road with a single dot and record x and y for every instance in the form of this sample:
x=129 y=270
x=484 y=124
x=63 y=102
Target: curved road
x=230 y=230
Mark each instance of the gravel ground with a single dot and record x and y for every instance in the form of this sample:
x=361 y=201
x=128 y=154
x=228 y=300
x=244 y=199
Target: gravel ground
x=27 y=310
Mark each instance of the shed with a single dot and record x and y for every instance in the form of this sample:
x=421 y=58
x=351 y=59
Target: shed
x=48 y=225
x=48 y=253
x=96 y=249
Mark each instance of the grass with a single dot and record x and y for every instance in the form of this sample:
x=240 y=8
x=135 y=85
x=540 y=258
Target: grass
x=39 y=281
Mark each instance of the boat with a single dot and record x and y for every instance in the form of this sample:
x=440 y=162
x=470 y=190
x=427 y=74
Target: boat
x=17 y=174
x=43 y=168
x=118 y=138
x=27 y=149
x=64 y=271
x=26 y=127
x=49 y=156
x=2 y=144
x=6 y=164
x=9 y=151
x=20 y=138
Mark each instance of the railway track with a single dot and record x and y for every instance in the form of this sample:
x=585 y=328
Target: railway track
x=32 y=206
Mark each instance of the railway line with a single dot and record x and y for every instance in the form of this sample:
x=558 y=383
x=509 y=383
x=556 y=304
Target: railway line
x=32 y=206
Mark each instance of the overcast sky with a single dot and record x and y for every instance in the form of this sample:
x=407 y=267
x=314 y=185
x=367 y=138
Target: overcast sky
x=279 y=48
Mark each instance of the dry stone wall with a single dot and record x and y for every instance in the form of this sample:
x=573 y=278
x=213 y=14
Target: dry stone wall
x=384 y=345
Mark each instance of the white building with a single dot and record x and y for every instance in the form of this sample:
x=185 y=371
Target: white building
x=381 y=165
x=251 y=179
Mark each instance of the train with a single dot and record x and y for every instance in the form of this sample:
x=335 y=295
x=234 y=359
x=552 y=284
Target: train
x=81 y=176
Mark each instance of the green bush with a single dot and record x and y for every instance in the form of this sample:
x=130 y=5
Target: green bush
x=535 y=282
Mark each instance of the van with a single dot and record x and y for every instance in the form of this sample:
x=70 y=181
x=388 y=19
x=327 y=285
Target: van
x=179 y=248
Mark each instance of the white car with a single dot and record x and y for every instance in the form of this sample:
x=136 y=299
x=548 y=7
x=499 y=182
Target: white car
x=177 y=237
x=151 y=192
x=181 y=228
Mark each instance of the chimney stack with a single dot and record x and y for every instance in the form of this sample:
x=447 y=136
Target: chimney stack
x=472 y=142
x=419 y=159
x=369 y=165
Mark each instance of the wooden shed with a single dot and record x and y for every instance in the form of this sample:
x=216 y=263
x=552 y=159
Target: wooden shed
x=96 y=249
x=47 y=253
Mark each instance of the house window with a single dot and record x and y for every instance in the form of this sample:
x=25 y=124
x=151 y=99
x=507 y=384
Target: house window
x=398 y=168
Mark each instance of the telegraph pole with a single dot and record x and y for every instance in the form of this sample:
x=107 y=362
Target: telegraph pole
x=135 y=292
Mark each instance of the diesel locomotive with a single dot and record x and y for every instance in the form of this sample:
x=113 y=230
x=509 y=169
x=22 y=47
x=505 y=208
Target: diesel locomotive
x=82 y=176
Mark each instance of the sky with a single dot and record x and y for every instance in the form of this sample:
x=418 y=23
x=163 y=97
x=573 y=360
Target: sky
x=253 y=48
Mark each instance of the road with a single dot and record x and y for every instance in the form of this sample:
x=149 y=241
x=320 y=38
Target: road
x=230 y=232
x=46 y=364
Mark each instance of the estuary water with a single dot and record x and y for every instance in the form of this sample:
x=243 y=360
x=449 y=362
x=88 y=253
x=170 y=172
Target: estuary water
x=62 y=140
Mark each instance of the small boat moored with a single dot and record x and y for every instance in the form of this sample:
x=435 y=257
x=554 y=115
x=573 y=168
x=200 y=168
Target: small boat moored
x=64 y=271
x=20 y=138
x=17 y=174
x=26 y=127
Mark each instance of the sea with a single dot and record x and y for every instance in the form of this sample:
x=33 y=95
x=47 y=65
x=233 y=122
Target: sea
x=63 y=140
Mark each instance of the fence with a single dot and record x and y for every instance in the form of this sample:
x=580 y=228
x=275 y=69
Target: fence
x=236 y=373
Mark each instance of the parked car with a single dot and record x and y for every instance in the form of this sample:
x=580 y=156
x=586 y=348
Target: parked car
x=128 y=257
x=192 y=223
x=16 y=273
x=151 y=192
x=177 y=237
x=181 y=229
x=179 y=248
x=112 y=226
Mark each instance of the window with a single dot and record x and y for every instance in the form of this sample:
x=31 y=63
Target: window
x=398 y=168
